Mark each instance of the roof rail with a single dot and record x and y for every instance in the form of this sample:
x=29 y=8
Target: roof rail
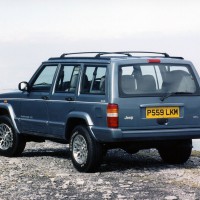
x=87 y=52
x=146 y=52
x=166 y=55
x=98 y=54
x=121 y=53
x=126 y=53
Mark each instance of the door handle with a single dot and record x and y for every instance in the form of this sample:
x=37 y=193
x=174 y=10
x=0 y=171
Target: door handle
x=69 y=98
x=45 y=97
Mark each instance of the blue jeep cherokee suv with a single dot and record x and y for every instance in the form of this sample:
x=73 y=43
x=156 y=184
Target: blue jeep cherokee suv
x=110 y=100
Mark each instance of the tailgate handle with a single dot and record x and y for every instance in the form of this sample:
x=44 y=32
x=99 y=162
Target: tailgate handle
x=162 y=121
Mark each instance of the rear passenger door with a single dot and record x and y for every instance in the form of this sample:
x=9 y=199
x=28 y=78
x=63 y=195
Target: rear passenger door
x=63 y=98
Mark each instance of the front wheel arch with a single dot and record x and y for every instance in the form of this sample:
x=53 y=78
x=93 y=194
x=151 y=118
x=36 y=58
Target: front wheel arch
x=7 y=110
x=4 y=112
x=11 y=143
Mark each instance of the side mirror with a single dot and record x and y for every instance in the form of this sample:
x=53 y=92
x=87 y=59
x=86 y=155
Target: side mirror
x=24 y=86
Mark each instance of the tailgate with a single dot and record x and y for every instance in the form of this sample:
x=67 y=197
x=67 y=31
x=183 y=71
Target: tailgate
x=158 y=96
x=149 y=113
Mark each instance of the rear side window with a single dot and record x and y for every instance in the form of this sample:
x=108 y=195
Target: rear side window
x=93 y=80
x=149 y=79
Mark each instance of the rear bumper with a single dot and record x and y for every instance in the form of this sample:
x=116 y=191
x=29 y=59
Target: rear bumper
x=117 y=135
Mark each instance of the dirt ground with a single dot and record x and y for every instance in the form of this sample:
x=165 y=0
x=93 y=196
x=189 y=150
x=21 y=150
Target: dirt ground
x=45 y=171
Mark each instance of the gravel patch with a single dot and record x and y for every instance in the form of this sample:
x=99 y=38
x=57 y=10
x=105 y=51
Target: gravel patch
x=45 y=171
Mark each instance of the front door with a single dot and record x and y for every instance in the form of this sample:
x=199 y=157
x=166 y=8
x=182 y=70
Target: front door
x=34 y=112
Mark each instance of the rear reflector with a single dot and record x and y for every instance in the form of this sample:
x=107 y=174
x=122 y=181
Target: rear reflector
x=154 y=61
x=112 y=115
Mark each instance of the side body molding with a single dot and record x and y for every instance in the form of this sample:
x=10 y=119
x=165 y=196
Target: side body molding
x=11 y=112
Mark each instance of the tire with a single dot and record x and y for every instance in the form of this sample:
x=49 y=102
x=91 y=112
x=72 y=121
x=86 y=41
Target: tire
x=12 y=144
x=177 y=153
x=86 y=153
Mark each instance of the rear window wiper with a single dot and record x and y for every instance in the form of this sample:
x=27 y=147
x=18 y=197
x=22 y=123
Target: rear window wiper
x=173 y=93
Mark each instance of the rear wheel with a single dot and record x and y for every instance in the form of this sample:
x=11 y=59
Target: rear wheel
x=86 y=153
x=11 y=143
x=177 y=153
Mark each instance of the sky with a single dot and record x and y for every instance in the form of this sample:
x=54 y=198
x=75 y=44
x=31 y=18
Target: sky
x=31 y=31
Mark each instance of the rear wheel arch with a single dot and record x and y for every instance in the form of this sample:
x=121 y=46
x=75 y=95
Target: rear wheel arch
x=71 y=124
x=86 y=153
x=74 y=119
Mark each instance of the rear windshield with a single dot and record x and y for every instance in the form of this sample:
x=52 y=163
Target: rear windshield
x=155 y=79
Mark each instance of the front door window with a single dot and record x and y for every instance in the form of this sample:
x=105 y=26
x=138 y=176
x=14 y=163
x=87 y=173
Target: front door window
x=44 y=80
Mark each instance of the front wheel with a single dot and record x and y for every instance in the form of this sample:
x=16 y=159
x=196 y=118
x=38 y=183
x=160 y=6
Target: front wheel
x=86 y=153
x=11 y=143
x=177 y=153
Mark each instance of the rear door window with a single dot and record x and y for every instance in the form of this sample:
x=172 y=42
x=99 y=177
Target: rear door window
x=67 y=79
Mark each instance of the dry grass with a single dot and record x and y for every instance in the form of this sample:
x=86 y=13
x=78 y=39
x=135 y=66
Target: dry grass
x=196 y=153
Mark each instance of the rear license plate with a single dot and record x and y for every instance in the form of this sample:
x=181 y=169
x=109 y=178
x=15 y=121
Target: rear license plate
x=162 y=112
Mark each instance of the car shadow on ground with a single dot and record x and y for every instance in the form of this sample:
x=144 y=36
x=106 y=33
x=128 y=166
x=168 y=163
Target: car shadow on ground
x=117 y=160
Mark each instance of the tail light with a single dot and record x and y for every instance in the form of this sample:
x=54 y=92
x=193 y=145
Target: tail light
x=112 y=116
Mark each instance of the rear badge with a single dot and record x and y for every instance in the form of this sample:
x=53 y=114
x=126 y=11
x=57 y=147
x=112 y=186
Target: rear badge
x=129 y=118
